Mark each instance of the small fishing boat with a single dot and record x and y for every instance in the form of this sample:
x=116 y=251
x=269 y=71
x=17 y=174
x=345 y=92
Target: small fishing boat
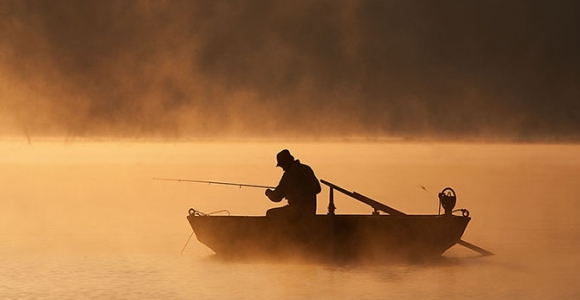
x=385 y=234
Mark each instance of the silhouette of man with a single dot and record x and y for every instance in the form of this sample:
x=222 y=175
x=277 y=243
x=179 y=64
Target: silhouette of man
x=298 y=184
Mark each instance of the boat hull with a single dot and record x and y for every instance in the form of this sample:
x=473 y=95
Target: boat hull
x=323 y=237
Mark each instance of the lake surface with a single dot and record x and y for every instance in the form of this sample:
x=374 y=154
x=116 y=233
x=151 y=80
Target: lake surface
x=87 y=220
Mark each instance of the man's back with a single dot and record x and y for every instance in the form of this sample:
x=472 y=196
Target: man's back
x=298 y=184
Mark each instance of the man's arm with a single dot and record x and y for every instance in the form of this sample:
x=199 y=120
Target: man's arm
x=280 y=191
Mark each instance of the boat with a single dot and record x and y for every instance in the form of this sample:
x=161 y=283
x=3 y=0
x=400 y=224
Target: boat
x=383 y=235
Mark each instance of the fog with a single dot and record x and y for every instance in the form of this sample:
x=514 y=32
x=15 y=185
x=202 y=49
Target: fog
x=191 y=69
x=88 y=219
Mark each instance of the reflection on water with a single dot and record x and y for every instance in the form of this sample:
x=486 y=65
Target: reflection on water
x=87 y=219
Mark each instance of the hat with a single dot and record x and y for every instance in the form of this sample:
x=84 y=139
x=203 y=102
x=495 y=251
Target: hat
x=284 y=156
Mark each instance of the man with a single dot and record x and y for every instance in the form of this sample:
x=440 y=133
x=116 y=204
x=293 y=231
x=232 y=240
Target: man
x=298 y=184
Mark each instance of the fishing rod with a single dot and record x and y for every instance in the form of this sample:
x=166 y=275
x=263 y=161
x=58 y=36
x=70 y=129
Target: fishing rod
x=216 y=182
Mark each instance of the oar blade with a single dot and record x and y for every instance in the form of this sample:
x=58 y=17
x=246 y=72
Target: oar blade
x=475 y=248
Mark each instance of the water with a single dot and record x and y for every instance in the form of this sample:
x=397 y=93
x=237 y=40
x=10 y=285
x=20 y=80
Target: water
x=85 y=219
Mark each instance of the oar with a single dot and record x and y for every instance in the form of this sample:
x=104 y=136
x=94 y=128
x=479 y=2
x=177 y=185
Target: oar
x=474 y=248
x=383 y=207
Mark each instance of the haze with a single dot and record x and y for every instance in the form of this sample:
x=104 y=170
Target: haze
x=190 y=69
x=86 y=219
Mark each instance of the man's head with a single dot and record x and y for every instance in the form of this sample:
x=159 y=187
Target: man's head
x=285 y=159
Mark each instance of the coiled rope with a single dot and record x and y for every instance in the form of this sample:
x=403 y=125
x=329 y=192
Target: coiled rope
x=464 y=212
x=198 y=213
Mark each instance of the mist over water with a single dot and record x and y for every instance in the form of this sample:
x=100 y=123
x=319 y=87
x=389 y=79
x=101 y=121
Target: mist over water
x=99 y=97
x=181 y=69
x=87 y=219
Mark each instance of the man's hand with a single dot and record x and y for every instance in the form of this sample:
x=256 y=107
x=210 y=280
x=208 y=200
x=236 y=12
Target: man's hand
x=270 y=194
